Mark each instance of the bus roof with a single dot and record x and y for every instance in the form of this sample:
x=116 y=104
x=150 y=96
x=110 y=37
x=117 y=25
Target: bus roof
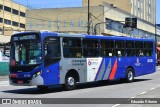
x=104 y=37
x=47 y=33
x=118 y=38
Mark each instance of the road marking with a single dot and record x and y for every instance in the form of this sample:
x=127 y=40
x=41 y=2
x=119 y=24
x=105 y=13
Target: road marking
x=138 y=95
x=146 y=91
x=152 y=89
x=143 y=93
x=116 y=105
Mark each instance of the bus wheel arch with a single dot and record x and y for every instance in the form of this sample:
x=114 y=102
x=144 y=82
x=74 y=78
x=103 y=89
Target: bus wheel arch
x=71 y=78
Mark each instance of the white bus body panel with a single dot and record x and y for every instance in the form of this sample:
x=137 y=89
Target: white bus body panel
x=87 y=68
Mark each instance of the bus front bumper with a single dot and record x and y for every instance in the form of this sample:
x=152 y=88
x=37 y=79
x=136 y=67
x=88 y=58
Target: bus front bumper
x=27 y=81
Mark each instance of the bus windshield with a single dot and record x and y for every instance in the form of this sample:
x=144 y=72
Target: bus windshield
x=26 y=53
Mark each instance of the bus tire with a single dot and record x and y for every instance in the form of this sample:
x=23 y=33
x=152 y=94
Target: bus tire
x=42 y=87
x=129 y=75
x=70 y=82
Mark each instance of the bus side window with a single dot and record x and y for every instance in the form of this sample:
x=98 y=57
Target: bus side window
x=139 y=48
x=72 y=48
x=52 y=50
x=148 y=49
x=129 y=48
x=120 y=48
x=90 y=48
x=140 y=53
x=107 y=48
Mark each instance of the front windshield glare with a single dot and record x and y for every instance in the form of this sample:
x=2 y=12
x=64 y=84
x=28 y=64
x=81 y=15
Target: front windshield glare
x=26 y=53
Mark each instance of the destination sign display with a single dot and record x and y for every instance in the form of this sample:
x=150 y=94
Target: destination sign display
x=25 y=37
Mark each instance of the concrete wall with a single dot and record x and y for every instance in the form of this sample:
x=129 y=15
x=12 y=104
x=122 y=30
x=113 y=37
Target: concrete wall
x=4 y=39
x=75 y=19
x=63 y=19
x=122 y=4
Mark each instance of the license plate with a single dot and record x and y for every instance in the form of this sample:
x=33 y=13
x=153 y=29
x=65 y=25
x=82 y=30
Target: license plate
x=20 y=82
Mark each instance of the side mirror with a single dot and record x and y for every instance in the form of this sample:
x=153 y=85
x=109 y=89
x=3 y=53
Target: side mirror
x=6 y=50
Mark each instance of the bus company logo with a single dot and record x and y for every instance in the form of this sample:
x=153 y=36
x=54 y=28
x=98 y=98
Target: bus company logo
x=150 y=60
x=93 y=62
x=89 y=63
x=137 y=62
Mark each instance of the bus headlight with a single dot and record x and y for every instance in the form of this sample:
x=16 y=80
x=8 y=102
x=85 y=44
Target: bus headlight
x=36 y=74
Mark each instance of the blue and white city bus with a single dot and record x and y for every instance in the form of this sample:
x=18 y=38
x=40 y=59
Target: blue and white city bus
x=48 y=58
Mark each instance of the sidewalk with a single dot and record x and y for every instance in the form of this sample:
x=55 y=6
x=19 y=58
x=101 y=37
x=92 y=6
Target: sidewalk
x=3 y=78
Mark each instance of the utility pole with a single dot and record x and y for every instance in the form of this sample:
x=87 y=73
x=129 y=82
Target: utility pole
x=156 y=32
x=88 y=27
x=155 y=25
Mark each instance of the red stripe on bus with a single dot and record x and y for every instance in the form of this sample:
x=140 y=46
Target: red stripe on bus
x=113 y=72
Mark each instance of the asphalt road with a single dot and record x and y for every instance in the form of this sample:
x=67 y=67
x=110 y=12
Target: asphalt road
x=143 y=87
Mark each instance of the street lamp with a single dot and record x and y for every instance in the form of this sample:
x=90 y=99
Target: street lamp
x=95 y=27
x=155 y=32
x=89 y=14
x=88 y=27
x=155 y=26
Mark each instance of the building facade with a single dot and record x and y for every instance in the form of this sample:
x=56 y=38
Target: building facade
x=74 y=20
x=158 y=33
x=144 y=9
x=12 y=17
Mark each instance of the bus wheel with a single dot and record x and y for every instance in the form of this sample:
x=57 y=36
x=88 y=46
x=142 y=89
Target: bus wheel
x=129 y=75
x=42 y=87
x=70 y=82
